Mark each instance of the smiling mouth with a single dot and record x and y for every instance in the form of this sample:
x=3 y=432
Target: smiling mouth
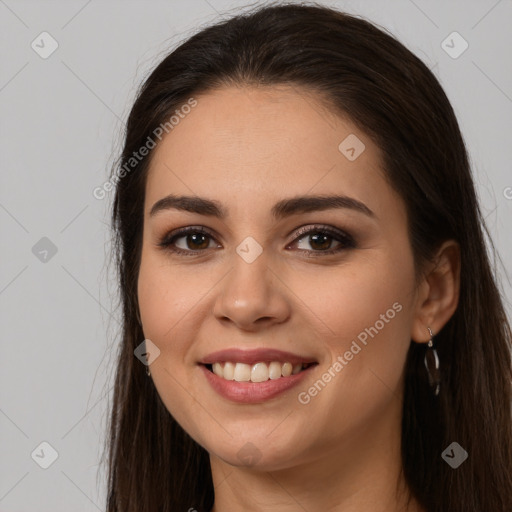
x=259 y=372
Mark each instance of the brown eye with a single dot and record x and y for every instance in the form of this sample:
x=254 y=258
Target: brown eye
x=320 y=239
x=194 y=240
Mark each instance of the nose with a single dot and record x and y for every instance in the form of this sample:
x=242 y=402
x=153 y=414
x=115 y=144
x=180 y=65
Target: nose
x=251 y=296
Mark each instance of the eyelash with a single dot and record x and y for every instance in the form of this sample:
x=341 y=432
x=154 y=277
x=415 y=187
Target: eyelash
x=347 y=241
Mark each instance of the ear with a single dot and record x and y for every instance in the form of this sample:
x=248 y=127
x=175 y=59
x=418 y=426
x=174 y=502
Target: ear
x=438 y=293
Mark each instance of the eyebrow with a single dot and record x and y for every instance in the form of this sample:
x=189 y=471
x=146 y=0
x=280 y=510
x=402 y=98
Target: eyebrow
x=282 y=209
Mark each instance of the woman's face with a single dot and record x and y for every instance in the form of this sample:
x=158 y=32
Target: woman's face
x=251 y=293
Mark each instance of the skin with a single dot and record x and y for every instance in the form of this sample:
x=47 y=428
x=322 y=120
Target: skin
x=249 y=148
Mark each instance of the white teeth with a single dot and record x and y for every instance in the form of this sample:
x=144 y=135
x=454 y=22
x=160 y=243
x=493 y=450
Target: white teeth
x=274 y=370
x=287 y=369
x=229 y=371
x=218 y=370
x=259 y=372
x=242 y=372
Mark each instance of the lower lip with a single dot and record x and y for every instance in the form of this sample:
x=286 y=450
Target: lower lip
x=253 y=392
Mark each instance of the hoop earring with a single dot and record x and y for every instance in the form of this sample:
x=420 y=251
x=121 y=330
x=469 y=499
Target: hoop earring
x=432 y=365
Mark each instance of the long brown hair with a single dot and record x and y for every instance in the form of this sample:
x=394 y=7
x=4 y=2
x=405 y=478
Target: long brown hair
x=365 y=73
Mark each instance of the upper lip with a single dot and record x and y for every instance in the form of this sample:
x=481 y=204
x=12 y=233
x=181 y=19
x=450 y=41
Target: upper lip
x=254 y=356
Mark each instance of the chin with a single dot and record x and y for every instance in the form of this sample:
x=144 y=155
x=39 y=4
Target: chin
x=257 y=454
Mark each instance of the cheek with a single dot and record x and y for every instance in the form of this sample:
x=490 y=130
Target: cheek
x=153 y=294
x=162 y=301
x=345 y=302
x=162 y=294
x=166 y=309
x=368 y=313
x=173 y=302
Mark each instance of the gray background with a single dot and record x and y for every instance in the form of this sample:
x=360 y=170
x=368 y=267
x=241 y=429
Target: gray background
x=61 y=125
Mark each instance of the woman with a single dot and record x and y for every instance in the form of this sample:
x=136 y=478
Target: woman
x=304 y=274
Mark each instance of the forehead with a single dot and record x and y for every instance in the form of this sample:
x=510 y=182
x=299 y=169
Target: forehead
x=249 y=146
